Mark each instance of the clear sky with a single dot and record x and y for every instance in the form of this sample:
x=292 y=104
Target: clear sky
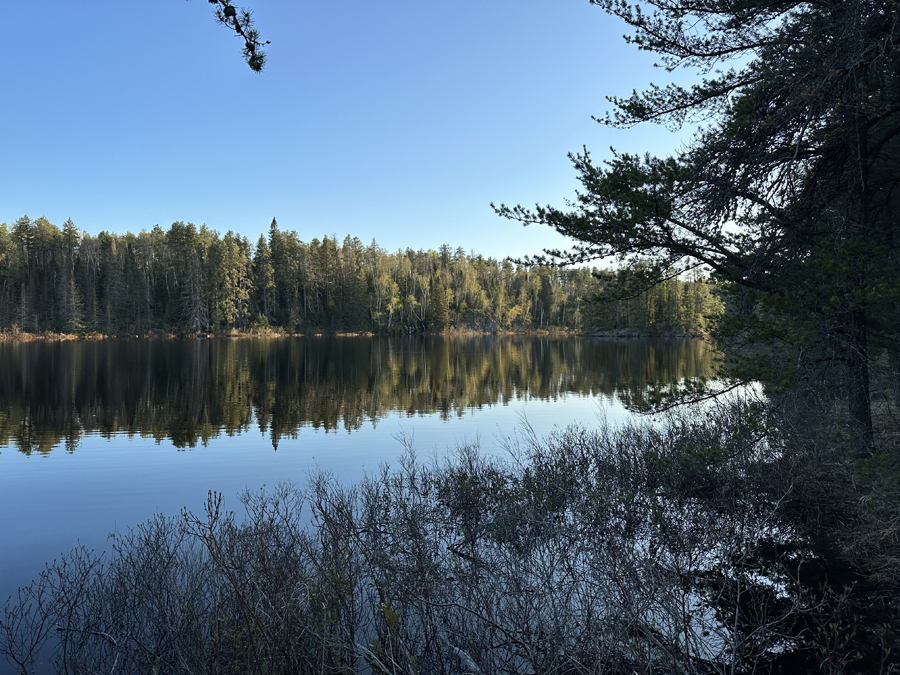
x=397 y=121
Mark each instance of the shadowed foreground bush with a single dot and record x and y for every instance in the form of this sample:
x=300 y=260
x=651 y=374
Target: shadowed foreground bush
x=643 y=549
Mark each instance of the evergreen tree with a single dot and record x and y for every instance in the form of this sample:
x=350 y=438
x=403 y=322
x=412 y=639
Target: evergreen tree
x=788 y=193
x=354 y=286
x=87 y=274
x=112 y=288
x=7 y=301
x=438 y=310
x=263 y=280
x=72 y=308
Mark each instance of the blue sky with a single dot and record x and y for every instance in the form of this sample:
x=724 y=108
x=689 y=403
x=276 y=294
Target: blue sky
x=398 y=121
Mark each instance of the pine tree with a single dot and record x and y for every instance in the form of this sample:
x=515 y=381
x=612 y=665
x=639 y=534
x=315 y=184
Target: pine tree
x=438 y=306
x=788 y=193
x=263 y=281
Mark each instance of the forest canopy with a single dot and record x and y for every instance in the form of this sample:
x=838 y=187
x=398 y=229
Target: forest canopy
x=193 y=279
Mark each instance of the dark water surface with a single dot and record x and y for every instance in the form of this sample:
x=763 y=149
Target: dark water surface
x=96 y=437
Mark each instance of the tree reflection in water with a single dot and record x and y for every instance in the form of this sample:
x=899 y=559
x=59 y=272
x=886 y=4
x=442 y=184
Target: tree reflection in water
x=190 y=391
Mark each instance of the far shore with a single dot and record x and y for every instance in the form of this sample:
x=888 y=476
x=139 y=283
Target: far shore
x=158 y=334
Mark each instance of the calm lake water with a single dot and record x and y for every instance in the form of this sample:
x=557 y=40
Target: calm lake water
x=96 y=437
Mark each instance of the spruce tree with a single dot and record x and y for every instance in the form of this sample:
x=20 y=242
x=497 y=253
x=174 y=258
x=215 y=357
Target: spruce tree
x=438 y=306
x=263 y=281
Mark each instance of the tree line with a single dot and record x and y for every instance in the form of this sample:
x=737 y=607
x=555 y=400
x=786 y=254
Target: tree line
x=752 y=537
x=190 y=278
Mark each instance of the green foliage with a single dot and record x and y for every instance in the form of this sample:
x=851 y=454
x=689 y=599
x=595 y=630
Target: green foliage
x=193 y=279
x=240 y=21
x=787 y=193
x=438 y=312
x=626 y=301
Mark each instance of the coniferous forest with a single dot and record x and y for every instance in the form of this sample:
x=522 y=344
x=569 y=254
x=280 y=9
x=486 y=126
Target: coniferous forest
x=751 y=526
x=190 y=279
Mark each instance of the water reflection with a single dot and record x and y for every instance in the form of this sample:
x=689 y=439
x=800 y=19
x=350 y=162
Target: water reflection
x=53 y=394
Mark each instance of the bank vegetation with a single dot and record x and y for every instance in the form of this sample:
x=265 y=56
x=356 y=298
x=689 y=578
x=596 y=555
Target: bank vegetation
x=188 y=280
x=721 y=541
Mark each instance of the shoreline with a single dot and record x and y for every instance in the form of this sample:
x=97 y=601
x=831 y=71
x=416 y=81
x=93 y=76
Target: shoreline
x=159 y=334
x=674 y=334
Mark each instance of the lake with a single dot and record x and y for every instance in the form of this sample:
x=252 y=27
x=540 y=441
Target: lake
x=96 y=437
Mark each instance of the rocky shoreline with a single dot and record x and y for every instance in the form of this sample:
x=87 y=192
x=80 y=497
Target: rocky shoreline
x=487 y=329
x=642 y=333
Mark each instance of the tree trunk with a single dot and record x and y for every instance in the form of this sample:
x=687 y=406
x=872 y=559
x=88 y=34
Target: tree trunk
x=858 y=390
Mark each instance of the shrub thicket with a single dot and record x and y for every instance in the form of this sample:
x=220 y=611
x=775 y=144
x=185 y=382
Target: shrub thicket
x=673 y=547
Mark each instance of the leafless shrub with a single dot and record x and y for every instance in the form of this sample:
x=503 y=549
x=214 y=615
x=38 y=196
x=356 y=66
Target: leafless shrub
x=646 y=548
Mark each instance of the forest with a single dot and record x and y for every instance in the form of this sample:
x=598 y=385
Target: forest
x=752 y=529
x=190 y=279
